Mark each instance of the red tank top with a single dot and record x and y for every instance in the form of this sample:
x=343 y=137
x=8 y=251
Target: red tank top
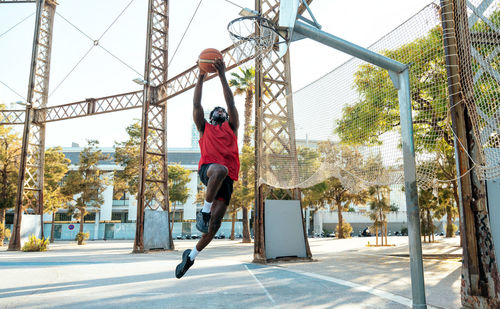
x=219 y=144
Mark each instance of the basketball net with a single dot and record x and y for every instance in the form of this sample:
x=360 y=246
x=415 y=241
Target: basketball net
x=253 y=37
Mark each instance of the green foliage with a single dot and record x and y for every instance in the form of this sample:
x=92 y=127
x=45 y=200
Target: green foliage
x=451 y=229
x=81 y=237
x=404 y=230
x=88 y=181
x=56 y=167
x=428 y=204
x=346 y=229
x=35 y=244
x=377 y=111
x=178 y=178
x=127 y=155
x=4 y=232
x=10 y=150
x=393 y=207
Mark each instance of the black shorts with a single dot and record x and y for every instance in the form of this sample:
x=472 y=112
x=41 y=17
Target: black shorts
x=226 y=189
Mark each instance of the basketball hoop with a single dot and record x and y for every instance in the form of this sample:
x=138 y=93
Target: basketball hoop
x=253 y=36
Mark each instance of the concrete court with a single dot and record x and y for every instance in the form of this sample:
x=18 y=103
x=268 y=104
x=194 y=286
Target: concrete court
x=346 y=274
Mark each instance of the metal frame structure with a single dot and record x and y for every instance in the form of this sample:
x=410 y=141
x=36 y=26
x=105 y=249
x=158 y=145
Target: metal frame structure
x=153 y=174
x=273 y=116
x=152 y=99
x=399 y=74
x=31 y=169
x=480 y=277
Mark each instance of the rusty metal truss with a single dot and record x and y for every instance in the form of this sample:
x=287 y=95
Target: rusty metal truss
x=90 y=107
x=13 y=116
x=119 y=102
x=153 y=193
x=273 y=136
x=153 y=175
x=17 y=1
x=31 y=168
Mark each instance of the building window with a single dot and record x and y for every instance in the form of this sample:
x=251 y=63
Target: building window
x=119 y=216
x=90 y=217
x=62 y=217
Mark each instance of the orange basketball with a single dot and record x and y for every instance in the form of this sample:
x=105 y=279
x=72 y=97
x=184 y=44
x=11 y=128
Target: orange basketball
x=207 y=59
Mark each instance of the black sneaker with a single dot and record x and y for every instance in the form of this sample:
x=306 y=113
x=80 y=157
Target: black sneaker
x=183 y=266
x=202 y=220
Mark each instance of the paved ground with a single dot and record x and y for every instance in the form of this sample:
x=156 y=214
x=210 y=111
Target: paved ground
x=345 y=274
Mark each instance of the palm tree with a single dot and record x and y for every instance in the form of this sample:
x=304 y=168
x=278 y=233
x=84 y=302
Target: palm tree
x=245 y=85
x=379 y=207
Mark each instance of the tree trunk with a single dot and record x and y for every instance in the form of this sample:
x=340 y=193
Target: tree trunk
x=246 y=226
x=2 y=222
x=172 y=220
x=233 y=221
x=82 y=221
x=457 y=204
x=381 y=226
x=340 y=227
x=449 y=222
x=386 y=243
x=376 y=235
x=429 y=224
x=246 y=142
x=52 y=227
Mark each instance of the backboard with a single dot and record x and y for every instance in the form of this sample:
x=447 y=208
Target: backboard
x=286 y=22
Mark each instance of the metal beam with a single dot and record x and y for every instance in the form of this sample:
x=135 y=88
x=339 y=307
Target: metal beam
x=17 y=1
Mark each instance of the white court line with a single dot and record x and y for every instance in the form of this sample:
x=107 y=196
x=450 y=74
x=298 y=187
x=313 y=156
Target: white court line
x=387 y=295
x=262 y=286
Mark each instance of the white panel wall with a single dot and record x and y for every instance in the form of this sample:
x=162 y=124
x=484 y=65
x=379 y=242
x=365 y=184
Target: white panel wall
x=189 y=206
x=107 y=207
x=132 y=208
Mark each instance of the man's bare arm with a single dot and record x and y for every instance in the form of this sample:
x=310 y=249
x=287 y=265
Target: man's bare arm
x=234 y=120
x=198 y=114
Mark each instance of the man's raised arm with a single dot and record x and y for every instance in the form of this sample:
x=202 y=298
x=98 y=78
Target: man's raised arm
x=198 y=115
x=234 y=121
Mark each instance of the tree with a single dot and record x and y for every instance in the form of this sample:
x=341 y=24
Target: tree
x=446 y=172
x=10 y=150
x=178 y=192
x=377 y=110
x=313 y=198
x=342 y=190
x=379 y=207
x=243 y=196
x=446 y=206
x=86 y=184
x=245 y=85
x=428 y=204
x=56 y=167
x=127 y=155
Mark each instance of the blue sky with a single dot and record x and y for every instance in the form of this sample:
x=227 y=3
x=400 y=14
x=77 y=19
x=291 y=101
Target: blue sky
x=99 y=74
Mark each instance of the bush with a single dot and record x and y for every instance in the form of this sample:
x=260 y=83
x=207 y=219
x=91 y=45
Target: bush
x=82 y=237
x=35 y=244
x=346 y=229
x=404 y=230
x=4 y=233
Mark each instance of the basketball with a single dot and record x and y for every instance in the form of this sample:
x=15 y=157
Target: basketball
x=207 y=59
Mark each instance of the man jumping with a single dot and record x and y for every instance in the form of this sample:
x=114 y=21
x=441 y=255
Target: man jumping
x=219 y=164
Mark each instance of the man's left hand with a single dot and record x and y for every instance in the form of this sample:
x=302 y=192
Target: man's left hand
x=220 y=67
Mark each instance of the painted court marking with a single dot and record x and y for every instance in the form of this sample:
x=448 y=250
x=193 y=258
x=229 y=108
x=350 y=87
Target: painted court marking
x=262 y=286
x=358 y=287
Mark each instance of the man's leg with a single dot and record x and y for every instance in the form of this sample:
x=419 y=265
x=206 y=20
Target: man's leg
x=218 y=210
x=216 y=173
